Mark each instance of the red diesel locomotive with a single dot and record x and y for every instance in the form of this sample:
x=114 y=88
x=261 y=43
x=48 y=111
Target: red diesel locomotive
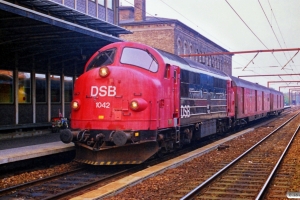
x=134 y=101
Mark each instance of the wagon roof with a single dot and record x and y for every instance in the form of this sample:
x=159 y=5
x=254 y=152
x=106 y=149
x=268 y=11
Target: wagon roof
x=247 y=84
x=275 y=91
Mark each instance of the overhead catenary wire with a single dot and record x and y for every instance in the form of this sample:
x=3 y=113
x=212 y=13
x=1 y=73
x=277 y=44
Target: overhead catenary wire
x=246 y=24
x=269 y=23
x=271 y=29
x=277 y=24
x=189 y=20
x=288 y=61
x=250 y=29
x=279 y=29
x=177 y=13
x=181 y=15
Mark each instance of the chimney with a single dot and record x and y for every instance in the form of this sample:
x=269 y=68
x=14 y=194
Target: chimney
x=139 y=10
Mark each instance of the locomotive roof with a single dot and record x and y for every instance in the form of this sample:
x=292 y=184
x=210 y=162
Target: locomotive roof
x=247 y=84
x=191 y=65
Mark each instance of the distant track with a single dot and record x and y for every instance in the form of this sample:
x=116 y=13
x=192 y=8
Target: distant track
x=249 y=175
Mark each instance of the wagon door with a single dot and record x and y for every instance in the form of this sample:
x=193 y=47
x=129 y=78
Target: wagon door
x=271 y=102
x=230 y=99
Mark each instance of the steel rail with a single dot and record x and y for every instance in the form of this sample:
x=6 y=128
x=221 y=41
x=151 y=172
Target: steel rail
x=268 y=181
x=71 y=191
x=84 y=186
x=31 y=183
x=194 y=192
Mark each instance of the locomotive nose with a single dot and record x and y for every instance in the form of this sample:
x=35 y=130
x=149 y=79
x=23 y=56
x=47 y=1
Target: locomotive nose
x=120 y=138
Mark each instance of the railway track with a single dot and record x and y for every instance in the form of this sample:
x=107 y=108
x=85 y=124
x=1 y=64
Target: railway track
x=61 y=185
x=66 y=184
x=250 y=174
x=58 y=187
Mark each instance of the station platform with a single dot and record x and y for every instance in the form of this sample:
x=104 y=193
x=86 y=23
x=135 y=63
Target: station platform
x=19 y=146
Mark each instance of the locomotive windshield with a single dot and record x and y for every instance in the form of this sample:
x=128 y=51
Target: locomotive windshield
x=102 y=59
x=140 y=58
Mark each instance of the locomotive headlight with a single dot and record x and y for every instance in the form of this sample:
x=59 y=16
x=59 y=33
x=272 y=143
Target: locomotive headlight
x=75 y=105
x=134 y=105
x=138 y=104
x=103 y=72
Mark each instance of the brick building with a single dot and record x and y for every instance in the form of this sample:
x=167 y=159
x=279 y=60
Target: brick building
x=170 y=35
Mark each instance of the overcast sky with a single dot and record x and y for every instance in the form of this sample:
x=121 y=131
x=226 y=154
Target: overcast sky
x=238 y=25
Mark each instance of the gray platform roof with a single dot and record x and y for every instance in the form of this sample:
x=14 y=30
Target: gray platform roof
x=33 y=39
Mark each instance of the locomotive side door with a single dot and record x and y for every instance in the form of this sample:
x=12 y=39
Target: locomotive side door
x=169 y=105
x=176 y=95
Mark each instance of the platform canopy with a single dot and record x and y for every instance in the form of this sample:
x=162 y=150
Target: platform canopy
x=46 y=36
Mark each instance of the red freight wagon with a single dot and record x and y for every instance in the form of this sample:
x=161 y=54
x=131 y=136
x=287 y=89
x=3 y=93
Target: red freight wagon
x=253 y=101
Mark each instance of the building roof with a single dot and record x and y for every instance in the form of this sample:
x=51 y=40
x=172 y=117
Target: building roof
x=155 y=20
x=72 y=15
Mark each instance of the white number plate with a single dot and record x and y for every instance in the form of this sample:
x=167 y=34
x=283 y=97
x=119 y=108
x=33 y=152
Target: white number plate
x=102 y=105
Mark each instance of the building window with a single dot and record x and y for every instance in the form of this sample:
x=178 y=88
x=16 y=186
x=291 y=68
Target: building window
x=41 y=88
x=6 y=86
x=109 y=4
x=101 y=2
x=203 y=60
x=24 y=89
x=178 y=47
x=68 y=81
x=207 y=60
x=55 y=88
x=213 y=62
x=191 y=51
x=201 y=57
